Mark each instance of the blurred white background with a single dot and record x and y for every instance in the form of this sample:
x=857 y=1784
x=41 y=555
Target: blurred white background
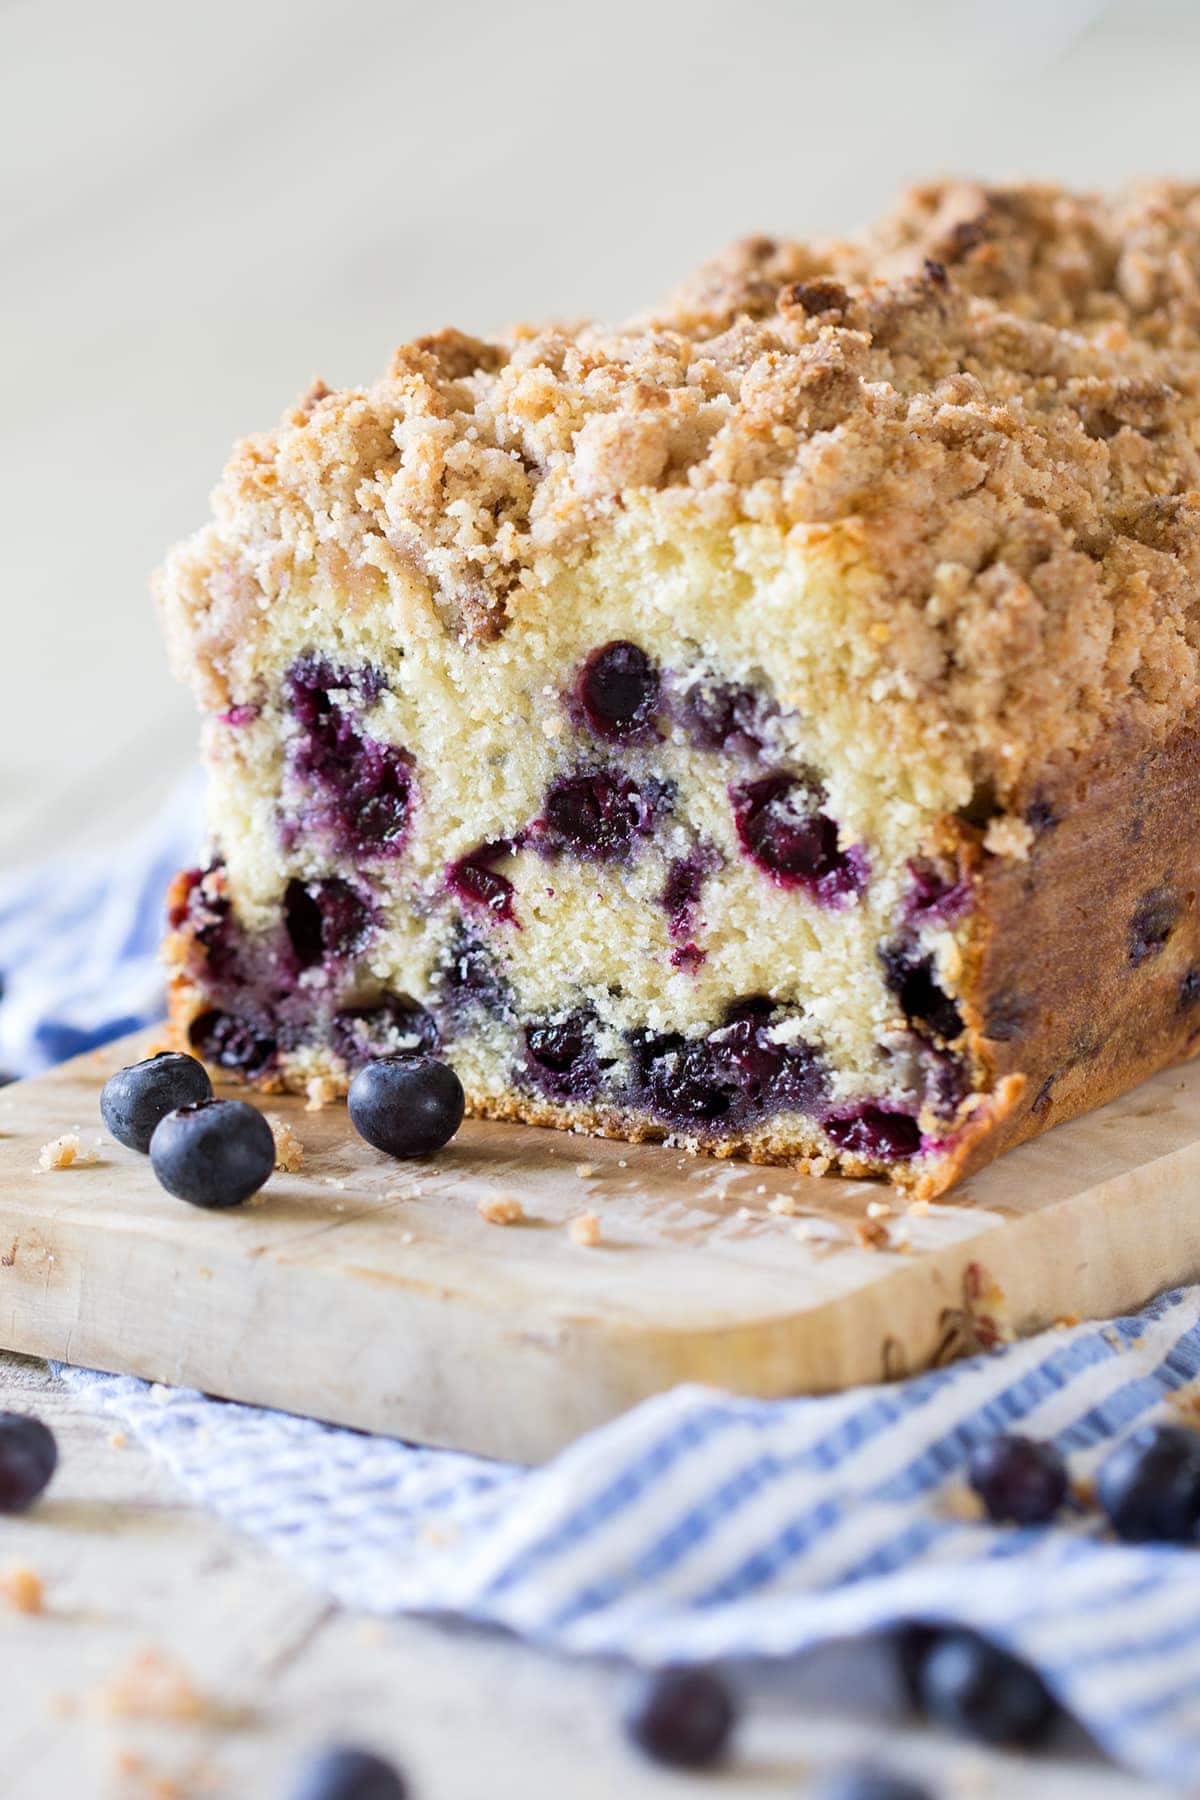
x=205 y=205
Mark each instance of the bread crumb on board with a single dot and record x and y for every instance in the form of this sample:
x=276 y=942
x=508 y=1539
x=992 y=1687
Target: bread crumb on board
x=67 y=1152
x=152 y=1685
x=584 y=1230
x=321 y=1091
x=501 y=1209
x=289 y=1151
x=21 y=1588
x=872 y=1234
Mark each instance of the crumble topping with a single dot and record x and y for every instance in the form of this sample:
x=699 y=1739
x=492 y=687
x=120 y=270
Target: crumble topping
x=584 y=1230
x=989 y=401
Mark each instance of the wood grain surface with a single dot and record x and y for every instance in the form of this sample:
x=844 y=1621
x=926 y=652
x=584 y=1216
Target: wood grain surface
x=373 y=1292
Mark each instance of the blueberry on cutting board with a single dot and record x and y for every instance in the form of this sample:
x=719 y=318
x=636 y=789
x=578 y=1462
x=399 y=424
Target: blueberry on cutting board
x=134 y=1100
x=406 y=1105
x=214 y=1153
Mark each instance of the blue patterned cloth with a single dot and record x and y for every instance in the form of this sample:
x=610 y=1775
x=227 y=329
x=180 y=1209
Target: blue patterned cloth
x=698 y=1526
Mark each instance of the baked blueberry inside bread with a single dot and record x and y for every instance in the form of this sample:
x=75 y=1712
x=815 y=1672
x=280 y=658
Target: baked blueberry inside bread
x=770 y=725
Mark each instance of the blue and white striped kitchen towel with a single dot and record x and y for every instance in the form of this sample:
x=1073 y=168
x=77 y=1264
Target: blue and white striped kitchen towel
x=698 y=1526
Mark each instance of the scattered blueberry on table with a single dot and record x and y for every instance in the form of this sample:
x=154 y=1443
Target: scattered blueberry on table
x=406 y=1105
x=866 y=1781
x=134 y=1100
x=972 y=1687
x=345 y=1773
x=213 y=1153
x=1150 y=1486
x=683 y=1717
x=28 y=1458
x=1020 y=1481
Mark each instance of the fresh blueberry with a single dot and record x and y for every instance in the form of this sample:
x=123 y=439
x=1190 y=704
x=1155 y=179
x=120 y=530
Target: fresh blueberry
x=28 y=1458
x=1018 y=1479
x=213 y=1153
x=618 y=691
x=344 y=1772
x=406 y=1105
x=865 y=1781
x=979 y=1691
x=1150 y=1485
x=683 y=1717
x=134 y=1099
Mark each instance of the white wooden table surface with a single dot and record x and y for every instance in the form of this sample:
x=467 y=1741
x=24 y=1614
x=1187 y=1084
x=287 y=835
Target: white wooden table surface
x=200 y=207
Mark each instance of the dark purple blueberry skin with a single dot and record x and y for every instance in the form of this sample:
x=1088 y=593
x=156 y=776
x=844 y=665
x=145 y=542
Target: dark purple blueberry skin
x=782 y=830
x=979 y=1691
x=134 y=1099
x=406 y=1105
x=866 y=1781
x=28 y=1458
x=326 y=920
x=230 y=1042
x=473 y=879
x=1020 y=1481
x=362 y=788
x=395 y=1026
x=617 y=692
x=1149 y=1486
x=874 y=1131
x=720 y=716
x=926 y=1005
x=471 y=981
x=934 y=897
x=215 y=1153
x=344 y=1772
x=1154 y=919
x=681 y=1717
x=560 y=1055
x=598 y=815
x=735 y=1075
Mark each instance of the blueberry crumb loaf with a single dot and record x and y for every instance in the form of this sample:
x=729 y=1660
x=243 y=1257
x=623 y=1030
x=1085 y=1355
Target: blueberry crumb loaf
x=769 y=726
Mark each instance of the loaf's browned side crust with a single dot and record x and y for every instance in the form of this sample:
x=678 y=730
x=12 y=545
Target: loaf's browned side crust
x=1086 y=958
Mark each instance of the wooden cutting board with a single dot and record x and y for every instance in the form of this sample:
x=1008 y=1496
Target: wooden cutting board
x=373 y=1293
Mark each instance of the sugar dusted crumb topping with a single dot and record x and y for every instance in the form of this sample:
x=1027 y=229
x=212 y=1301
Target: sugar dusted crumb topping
x=289 y=1151
x=989 y=402
x=584 y=1230
x=501 y=1209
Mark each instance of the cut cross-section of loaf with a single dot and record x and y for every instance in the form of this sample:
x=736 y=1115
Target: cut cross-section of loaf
x=771 y=725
